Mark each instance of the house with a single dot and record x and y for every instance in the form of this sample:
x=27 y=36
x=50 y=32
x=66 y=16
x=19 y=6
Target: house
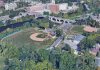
x=90 y=29
x=96 y=17
x=10 y=6
x=97 y=61
x=74 y=41
x=95 y=49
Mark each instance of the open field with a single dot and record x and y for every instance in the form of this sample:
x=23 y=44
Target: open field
x=22 y=38
x=77 y=29
x=1 y=62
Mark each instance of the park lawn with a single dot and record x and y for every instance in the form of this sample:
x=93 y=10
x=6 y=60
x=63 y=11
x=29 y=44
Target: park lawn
x=73 y=16
x=77 y=29
x=1 y=62
x=23 y=39
x=93 y=36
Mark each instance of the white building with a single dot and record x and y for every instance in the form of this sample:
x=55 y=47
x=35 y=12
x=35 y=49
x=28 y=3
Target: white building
x=72 y=8
x=10 y=6
x=63 y=6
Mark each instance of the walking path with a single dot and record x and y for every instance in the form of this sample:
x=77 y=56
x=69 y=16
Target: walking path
x=56 y=43
x=11 y=35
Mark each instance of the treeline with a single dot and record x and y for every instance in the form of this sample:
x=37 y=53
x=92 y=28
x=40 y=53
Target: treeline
x=30 y=58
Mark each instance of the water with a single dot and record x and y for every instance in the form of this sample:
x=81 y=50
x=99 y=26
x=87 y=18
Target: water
x=15 y=25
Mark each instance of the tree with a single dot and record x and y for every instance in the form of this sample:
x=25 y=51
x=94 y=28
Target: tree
x=12 y=52
x=14 y=64
x=86 y=62
x=98 y=39
x=68 y=61
x=86 y=44
x=45 y=65
x=66 y=48
x=44 y=23
x=30 y=65
x=44 y=54
x=59 y=32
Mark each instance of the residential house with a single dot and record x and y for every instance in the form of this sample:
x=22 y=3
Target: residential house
x=96 y=17
x=97 y=61
x=95 y=49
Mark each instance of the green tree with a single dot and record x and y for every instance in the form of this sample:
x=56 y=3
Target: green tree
x=45 y=65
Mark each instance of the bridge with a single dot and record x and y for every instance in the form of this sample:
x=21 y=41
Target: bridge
x=60 y=20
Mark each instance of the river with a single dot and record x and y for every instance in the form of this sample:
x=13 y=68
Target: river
x=15 y=25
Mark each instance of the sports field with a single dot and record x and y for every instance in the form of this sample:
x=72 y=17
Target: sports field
x=22 y=38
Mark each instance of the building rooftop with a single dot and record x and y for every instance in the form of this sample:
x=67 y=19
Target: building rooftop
x=78 y=37
x=54 y=8
x=90 y=29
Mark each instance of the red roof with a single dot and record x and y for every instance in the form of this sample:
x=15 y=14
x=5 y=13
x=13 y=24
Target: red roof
x=1 y=3
x=90 y=29
x=54 y=8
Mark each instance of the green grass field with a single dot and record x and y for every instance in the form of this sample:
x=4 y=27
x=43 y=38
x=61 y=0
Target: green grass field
x=23 y=39
x=77 y=29
x=1 y=62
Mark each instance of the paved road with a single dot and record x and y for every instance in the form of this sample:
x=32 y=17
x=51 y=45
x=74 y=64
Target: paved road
x=56 y=43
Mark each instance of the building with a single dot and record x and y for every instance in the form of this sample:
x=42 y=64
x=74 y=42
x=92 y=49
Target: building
x=72 y=8
x=90 y=29
x=96 y=17
x=97 y=61
x=27 y=1
x=74 y=41
x=63 y=6
x=54 y=8
x=95 y=49
x=4 y=18
x=38 y=8
x=10 y=6
x=1 y=3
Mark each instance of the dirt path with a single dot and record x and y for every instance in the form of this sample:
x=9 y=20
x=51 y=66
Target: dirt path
x=34 y=37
